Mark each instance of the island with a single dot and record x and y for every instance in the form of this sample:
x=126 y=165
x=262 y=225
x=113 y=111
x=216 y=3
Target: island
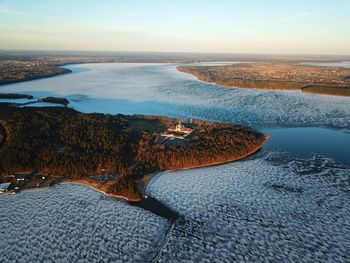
x=116 y=154
x=56 y=100
x=276 y=76
x=30 y=99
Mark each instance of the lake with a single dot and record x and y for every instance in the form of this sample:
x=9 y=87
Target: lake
x=306 y=142
x=160 y=89
x=288 y=203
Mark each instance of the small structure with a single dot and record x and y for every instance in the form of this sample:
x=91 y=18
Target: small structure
x=177 y=132
x=181 y=129
x=23 y=176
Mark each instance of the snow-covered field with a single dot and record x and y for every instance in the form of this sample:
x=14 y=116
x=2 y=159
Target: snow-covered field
x=274 y=207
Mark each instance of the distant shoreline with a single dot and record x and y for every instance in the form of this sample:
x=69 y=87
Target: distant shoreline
x=319 y=89
x=203 y=74
x=98 y=189
x=60 y=71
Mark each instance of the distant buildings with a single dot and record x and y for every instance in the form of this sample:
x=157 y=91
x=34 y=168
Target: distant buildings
x=177 y=132
x=25 y=180
x=23 y=176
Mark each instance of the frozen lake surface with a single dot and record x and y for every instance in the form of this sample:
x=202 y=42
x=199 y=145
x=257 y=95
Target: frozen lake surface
x=73 y=223
x=273 y=208
x=285 y=204
x=160 y=89
x=343 y=64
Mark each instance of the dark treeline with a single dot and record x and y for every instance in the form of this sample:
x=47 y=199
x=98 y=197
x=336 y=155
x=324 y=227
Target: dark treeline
x=64 y=142
x=209 y=143
x=19 y=73
x=56 y=100
x=15 y=96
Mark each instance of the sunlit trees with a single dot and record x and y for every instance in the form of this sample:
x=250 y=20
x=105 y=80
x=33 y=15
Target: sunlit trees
x=64 y=142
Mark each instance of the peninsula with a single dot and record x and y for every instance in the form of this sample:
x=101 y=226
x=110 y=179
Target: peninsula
x=41 y=146
x=276 y=76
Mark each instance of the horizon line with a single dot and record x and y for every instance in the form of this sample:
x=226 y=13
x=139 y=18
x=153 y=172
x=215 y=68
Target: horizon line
x=171 y=52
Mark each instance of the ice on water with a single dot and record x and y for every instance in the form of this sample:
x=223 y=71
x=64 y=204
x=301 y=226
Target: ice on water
x=275 y=208
x=159 y=89
x=73 y=223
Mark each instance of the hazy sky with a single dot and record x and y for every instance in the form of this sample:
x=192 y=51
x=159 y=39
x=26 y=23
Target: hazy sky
x=236 y=26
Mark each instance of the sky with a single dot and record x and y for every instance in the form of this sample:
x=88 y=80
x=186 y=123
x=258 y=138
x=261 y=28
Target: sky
x=228 y=26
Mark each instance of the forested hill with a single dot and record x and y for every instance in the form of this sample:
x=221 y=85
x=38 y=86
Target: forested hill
x=65 y=142
x=62 y=141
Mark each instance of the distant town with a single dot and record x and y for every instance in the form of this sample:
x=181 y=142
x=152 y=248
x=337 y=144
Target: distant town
x=278 y=76
x=18 y=66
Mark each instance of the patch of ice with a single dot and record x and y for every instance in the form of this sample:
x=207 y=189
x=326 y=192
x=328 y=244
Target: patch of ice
x=73 y=223
x=343 y=64
x=276 y=208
